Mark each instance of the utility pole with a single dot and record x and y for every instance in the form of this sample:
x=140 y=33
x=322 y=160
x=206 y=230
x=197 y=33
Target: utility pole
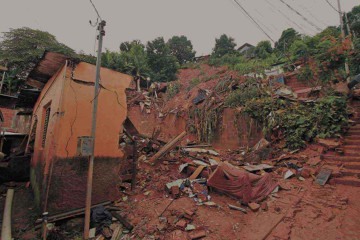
x=349 y=31
x=93 y=131
x=3 y=79
x=347 y=70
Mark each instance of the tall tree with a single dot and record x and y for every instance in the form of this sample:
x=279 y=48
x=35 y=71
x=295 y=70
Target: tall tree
x=181 y=48
x=112 y=60
x=263 y=49
x=22 y=48
x=354 y=20
x=287 y=38
x=224 y=45
x=135 y=63
x=164 y=66
x=126 y=46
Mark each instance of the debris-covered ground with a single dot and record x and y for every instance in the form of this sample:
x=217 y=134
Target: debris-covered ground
x=298 y=209
x=192 y=183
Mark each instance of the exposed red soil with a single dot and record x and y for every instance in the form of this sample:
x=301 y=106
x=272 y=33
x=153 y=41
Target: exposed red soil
x=306 y=211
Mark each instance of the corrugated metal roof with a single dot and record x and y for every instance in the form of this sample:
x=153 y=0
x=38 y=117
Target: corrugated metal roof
x=49 y=64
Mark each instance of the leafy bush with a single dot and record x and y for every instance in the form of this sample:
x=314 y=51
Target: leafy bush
x=298 y=122
x=240 y=96
x=229 y=60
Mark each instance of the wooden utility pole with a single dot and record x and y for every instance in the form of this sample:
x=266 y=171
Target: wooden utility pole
x=347 y=70
x=93 y=131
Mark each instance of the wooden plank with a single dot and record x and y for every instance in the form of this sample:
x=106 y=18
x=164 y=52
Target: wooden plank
x=165 y=149
x=122 y=220
x=197 y=172
x=117 y=233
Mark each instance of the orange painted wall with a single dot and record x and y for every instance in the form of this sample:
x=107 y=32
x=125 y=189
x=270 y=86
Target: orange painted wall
x=70 y=93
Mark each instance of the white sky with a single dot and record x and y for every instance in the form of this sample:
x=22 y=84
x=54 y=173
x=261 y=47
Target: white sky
x=200 y=20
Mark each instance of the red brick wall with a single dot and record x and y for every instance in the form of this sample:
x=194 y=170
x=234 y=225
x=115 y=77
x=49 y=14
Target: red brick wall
x=9 y=115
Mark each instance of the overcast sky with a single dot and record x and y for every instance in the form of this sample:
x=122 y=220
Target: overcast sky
x=200 y=20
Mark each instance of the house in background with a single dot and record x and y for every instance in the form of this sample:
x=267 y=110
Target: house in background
x=246 y=49
x=61 y=115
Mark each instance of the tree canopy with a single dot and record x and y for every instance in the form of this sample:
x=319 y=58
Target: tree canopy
x=263 y=49
x=23 y=47
x=181 y=48
x=354 y=20
x=287 y=38
x=162 y=63
x=224 y=45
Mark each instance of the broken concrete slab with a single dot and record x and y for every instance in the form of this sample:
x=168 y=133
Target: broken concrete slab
x=288 y=174
x=323 y=176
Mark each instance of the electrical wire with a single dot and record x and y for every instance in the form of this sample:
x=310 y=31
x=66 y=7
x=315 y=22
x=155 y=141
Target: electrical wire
x=298 y=13
x=332 y=6
x=311 y=14
x=285 y=16
x=253 y=20
x=97 y=12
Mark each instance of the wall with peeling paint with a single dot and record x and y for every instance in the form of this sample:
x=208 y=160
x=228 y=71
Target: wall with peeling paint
x=56 y=168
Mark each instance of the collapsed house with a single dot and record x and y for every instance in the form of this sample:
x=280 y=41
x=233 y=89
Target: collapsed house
x=62 y=115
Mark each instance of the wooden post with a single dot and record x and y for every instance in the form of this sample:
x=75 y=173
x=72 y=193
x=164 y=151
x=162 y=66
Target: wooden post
x=167 y=147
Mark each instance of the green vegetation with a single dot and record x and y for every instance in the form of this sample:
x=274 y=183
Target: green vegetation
x=206 y=121
x=163 y=65
x=193 y=83
x=300 y=122
x=224 y=45
x=181 y=48
x=21 y=49
x=173 y=89
x=240 y=96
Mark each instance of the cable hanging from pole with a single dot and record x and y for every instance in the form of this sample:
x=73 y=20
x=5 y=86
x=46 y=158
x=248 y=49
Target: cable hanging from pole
x=254 y=21
x=307 y=20
x=332 y=6
x=97 y=12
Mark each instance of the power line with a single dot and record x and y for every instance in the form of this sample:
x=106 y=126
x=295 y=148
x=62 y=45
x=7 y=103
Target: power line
x=260 y=22
x=97 y=12
x=261 y=29
x=284 y=15
x=307 y=20
x=332 y=6
x=310 y=13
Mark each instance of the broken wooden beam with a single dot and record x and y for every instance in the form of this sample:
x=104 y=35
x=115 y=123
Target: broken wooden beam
x=122 y=220
x=70 y=214
x=168 y=147
x=237 y=208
